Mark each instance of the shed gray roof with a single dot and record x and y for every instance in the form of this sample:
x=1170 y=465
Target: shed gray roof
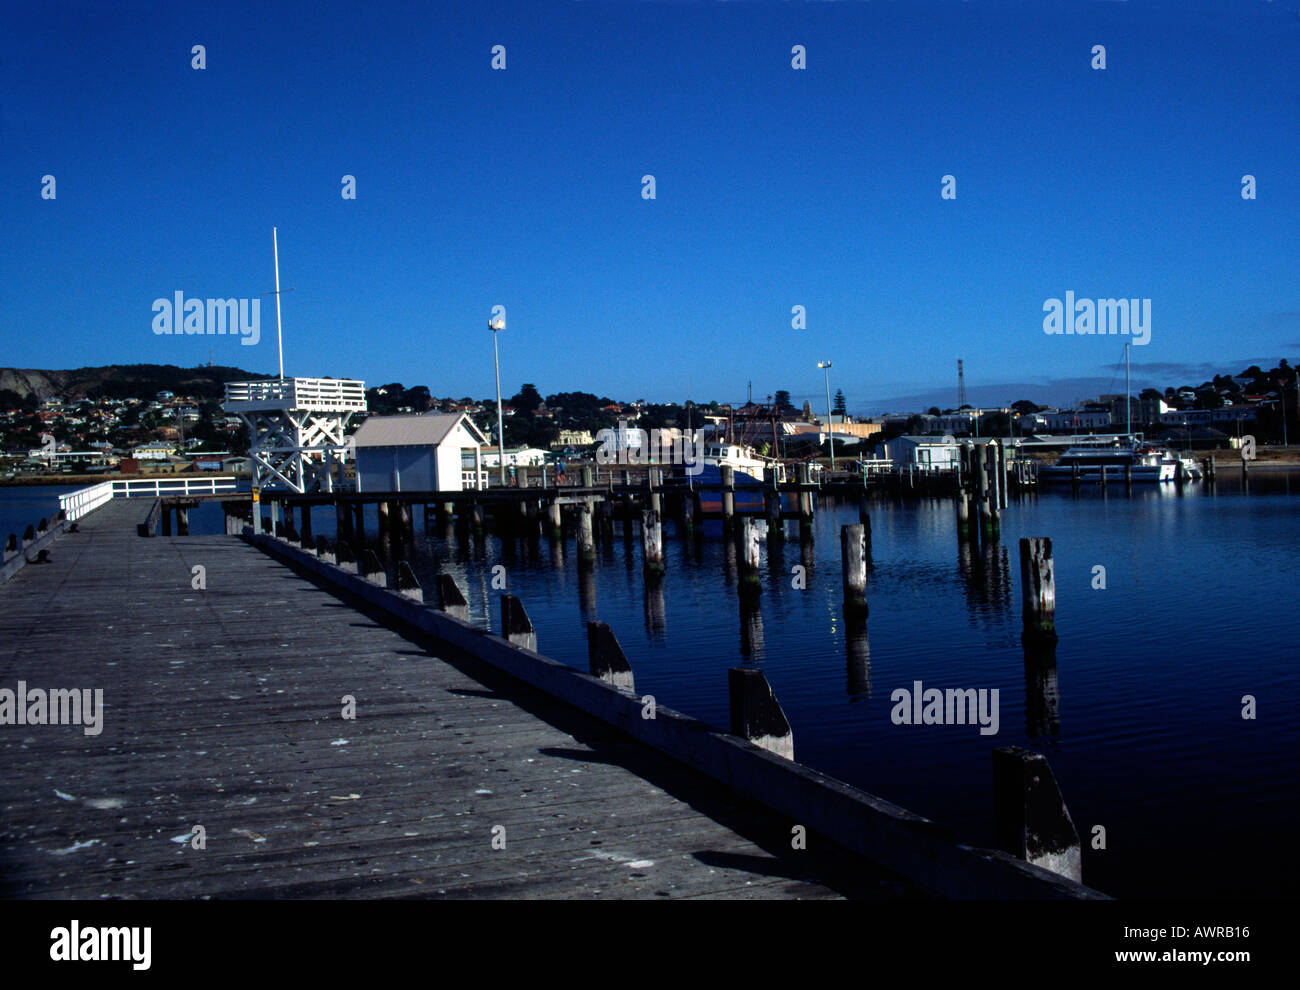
x=424 y=430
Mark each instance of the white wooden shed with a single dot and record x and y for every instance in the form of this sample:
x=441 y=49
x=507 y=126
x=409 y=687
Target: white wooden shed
x=433 y=452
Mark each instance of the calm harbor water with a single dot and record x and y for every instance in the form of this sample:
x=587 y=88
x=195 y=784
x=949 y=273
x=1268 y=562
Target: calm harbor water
x=1142 y=725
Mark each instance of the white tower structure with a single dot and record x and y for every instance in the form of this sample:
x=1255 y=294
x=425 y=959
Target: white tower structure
x=296 y=426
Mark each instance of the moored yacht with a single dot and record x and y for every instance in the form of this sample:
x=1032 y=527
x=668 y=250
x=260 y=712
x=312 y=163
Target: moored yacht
x=1136 y=461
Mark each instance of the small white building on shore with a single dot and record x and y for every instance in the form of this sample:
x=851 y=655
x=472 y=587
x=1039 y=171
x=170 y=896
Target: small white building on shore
x=929 y=453
x=432 y=452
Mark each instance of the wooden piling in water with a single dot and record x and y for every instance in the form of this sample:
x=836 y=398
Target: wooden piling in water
x=450 y=598
x=515 y=624
x=586 y=542
x=325 y=550
x=408 y=585
x=554 y=519
x=756 y=715
x=853 y=556
x=728 y=498
x=772 y=513
x=182 y=521
x=1031 y=818
x=749 y=557
x=369 y=567
x=343 y=520
x=652 y=542
x=307 y=538
x=606 y=658
x=1038 y=586
x=1004 y=502
x=688 y=512
x=805 y=497
x=347 y=560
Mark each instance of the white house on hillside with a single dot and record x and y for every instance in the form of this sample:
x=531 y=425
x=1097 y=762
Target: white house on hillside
x=433 y=452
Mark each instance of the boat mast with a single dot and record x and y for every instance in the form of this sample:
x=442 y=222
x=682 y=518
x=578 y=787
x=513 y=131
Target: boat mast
x=1128 y=397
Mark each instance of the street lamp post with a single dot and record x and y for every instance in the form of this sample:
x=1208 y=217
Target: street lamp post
x=830 y=426
x=496 y=325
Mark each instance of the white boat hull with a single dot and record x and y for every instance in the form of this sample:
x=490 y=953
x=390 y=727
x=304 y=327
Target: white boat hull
x=1145 y=474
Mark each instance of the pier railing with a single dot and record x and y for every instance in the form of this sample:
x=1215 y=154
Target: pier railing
x=85 y=500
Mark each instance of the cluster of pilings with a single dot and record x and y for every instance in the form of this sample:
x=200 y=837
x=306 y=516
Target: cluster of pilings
x=981 y=490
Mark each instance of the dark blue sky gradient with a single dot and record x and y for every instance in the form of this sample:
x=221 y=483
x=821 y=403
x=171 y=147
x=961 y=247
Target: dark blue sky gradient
x=775 y=188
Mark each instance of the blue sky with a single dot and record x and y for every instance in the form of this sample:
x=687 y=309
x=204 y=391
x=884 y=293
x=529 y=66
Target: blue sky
x=774 y=188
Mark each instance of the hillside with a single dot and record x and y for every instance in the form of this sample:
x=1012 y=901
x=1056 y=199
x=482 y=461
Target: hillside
x=120 y=381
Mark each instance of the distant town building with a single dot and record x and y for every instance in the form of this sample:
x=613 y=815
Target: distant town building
x=574 y=438
x=153 y=451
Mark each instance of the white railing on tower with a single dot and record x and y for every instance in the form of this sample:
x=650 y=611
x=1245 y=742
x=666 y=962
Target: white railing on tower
x=297 y=393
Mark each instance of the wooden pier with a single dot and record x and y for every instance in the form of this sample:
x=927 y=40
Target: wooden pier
x=279 y=720
x=223 y=709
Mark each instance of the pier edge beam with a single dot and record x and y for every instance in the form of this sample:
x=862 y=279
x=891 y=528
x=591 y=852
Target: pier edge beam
x=1032 y=821
x=606 y=658
x=756 y=715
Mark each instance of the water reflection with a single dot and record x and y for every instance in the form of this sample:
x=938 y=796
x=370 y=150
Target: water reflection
x=656 y=610
x=1042 y=693
x=858 y=653
x=587 y=593
x=751 y=629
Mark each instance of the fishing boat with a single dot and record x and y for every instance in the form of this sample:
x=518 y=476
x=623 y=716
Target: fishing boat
x=750 y=473
x=747 y=466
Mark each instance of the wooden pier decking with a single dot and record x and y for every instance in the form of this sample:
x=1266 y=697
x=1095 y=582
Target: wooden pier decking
x=222 y=709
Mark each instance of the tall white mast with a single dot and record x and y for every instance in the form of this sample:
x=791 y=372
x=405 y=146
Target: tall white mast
x=279 y=344
x=1128 y=393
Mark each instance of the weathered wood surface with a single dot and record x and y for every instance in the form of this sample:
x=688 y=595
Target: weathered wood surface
x=223 y=709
